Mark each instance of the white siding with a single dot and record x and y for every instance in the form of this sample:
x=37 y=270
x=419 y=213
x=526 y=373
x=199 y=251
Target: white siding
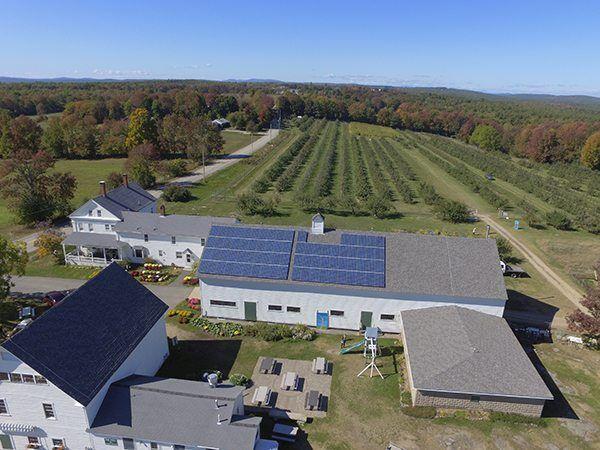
x=25 y=400
x=313 y=299
x=81 y=220
x=160 y=248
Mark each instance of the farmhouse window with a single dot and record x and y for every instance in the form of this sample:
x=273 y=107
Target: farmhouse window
x=48 y=411
x=336 y=312
x=3 y=376
x=99 y=213
x=173 y=240
x=90 y=227
x=202 y=242
x=110 y=441
x=28 y=379
x=40 y=380
x=33 y=440
x=293 y=309
x=16 y=378
x=275 y=307
x=387 y=317
x=107 y=227
x=91 y=212
x=145 y=238
x=139 y=253
x=223 y=303
x=178 y=255
x=128 y=444
x=3 y=407
x=80 y=226
x=178 y=447
x=58 y=443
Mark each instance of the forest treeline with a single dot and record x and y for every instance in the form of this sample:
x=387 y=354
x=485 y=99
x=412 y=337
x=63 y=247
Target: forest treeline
x=95 y=116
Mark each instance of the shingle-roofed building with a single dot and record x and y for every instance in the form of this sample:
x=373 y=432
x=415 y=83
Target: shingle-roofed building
x=460 y=358
x=345 y=279
x=186 y=413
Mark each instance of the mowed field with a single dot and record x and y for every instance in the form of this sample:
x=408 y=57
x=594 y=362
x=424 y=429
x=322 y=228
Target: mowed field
x=337 y=161
x=234 y=140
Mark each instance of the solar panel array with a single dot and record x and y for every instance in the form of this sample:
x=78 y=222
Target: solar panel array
x=302 y=236
x=358 y=260
x=247 y=252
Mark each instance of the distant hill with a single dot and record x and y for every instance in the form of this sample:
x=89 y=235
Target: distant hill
x=56 y=80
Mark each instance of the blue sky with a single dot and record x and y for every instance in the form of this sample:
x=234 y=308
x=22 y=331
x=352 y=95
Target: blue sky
x=498 y=46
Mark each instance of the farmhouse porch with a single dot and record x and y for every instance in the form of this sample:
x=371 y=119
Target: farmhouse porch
x=93 y=249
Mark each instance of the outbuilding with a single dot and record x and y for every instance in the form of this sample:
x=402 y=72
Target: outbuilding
x=460 y=358
x=344 y=279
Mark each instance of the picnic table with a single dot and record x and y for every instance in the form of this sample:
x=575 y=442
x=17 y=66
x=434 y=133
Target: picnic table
x=313 y=398
x=290 y=381
x=262 y=396
x=319 y=365
x=267 y=365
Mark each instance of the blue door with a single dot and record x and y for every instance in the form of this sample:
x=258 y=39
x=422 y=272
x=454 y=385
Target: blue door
x=322 y=320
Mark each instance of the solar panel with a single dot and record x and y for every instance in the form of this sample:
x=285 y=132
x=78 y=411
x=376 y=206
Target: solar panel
x=276 y=234
x=339 y=277
x=345 y=251
x=247 y=252
x=302 y=236
x=328 y=262
x=362 y=240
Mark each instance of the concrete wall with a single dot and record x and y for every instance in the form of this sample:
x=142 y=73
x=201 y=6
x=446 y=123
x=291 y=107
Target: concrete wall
x=24 y=401
x=160 y=248
x=527 y=407
x=312 y=299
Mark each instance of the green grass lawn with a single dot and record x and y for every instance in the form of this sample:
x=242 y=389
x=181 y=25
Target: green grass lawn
x=366 y=412
x=235 y=140
x=46 y=267
x=369 y=130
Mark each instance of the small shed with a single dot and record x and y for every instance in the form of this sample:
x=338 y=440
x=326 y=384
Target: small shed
x=318 y=224
x=221 y=123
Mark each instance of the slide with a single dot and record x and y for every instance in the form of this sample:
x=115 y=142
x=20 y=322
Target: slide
x=352 y=347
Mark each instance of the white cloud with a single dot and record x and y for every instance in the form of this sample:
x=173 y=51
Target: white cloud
x=118 y=73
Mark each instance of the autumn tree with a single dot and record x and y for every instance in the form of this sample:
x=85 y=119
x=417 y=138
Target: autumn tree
x=486 y=137
x=588 y=323
x=31 y=191
x=142 y=128
x=50 y=243
x=20 y=134
x=13 y=259
x=590 y=154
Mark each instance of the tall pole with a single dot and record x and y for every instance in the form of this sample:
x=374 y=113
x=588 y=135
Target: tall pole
x=203 y=164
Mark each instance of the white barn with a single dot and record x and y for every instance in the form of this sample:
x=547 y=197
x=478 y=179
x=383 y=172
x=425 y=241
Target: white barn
x=331 y=281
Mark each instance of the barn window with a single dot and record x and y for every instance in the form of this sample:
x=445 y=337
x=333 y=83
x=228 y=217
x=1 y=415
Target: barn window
x=3 y=376
x=293 y=309
x=178 y=255
x=48 y=411
x=275 y=308
x=223 y=303
x=28 y=379
x=387 y=317
x=336 y=312
x=3 y=407
x=40 y=380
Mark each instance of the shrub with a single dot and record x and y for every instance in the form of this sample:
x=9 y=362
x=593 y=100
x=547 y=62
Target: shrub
x=239 y=379
x=558 y=220
x=517 y=418
x=420 y=412
x=268 y=331
x=174 y=193
x=504 y=248
x=50 y=243
x=303 y=333
x=452 y=211
x=406 y=398
x=175 y=168
x=223 y=329
x=428 y=194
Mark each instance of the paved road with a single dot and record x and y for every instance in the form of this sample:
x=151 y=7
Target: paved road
x=171 y=294
x=222 y=163
x=553 y=278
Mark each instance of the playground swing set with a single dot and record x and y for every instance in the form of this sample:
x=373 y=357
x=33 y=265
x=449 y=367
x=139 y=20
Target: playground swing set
x=370 y=351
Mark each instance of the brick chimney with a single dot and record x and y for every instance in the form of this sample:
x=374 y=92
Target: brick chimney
x=162 y=210
x=125 y=180
x=103 y=188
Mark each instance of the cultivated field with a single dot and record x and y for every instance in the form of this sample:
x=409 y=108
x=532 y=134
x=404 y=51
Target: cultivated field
x=340 y=166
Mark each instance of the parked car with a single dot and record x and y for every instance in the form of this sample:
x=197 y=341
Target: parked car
x=512 y=271
x=53 y=297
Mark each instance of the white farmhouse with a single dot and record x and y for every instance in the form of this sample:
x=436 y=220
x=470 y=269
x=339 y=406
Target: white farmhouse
x=122 y=224
x=347 y=280
x=82 y=377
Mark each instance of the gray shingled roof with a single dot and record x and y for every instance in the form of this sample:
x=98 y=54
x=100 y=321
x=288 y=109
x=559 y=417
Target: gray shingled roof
x=423 y=264
x=169 y=225
x=125 y=198
x=94 y=240
x=455 y=349
x=175 y=411
x=81 y=342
